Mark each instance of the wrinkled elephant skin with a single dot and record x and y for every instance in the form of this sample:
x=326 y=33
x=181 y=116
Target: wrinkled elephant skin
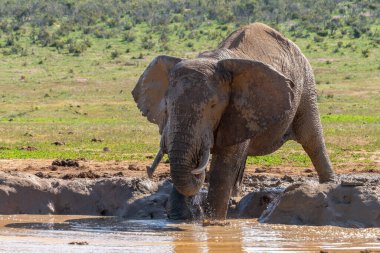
x=245 y=98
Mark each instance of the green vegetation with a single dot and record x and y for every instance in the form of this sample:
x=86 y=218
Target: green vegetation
x=67 y=69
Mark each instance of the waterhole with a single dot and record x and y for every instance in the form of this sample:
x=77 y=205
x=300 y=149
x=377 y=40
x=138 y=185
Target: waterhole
x=62 y=233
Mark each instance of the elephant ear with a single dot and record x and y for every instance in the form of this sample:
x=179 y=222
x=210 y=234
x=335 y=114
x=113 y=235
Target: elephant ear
x=260 y=98
x=150 y=90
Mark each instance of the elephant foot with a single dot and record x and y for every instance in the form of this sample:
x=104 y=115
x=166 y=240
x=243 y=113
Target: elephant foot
x=178 y=208
x=327 y=179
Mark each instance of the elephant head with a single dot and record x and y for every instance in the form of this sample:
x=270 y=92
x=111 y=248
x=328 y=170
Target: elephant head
x=203 y=104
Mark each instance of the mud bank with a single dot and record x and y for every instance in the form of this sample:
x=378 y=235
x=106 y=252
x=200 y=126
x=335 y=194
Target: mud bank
x=354 y=201
x=129 y=197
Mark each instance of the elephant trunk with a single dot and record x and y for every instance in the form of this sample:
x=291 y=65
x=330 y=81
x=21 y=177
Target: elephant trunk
x=183 y=160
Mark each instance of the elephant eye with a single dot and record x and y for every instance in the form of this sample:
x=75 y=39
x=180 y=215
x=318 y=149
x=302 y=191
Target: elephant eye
x=213 y=105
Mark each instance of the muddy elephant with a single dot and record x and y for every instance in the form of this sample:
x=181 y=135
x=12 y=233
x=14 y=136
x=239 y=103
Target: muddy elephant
x=245 y=98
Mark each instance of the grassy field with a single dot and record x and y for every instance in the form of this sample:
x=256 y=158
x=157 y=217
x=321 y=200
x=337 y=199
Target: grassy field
x=49 y=97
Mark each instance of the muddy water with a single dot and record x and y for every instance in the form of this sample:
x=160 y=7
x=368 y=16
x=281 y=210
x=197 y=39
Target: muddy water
x=48 y=233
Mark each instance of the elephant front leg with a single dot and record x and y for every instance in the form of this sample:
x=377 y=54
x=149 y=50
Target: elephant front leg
x=226 y=169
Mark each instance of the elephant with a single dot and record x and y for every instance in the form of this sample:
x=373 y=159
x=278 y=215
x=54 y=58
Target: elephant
x=247 y=97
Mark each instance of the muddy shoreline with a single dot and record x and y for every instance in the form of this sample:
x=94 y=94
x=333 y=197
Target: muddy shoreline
x=353 y=201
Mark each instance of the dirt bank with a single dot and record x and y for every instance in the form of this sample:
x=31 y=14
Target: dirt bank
x=82 y=168
x=353 y=201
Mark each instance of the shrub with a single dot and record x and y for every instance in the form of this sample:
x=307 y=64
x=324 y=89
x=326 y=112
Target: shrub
x=9 y=41
x=76 y=47
x=102 y=33
x=128 y=26
x=115 y=54
x=58 y=43
x=16 y=49
x=322 y=33
x=356 y=33
x=147 y=43
x=129 y=36
x=44 y=37
x=318 y=39
x=365 y=52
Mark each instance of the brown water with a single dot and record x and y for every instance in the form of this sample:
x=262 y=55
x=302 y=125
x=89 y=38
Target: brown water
x=48 y=233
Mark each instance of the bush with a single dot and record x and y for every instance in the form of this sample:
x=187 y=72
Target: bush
x=322 y=33
x=58 y=43
x=16 y=49
x=76 y=47
x=102 y=33
x=365 y=52
x=128 y=26
x=318 y=39
x=356 y=33
x=115 y=54
x=147 y=43
x=44 y=37
x=129 y=36
x=9 y=41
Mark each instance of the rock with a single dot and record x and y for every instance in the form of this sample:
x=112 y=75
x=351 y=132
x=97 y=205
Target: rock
x=58 y=143
x=79 y=243
x=133 y=167
x=28 y=148
x=118 y=174
x=39 y=174
x=311 y=203
x=287 y=179
x=65 y=163
x=53 y=167
x=253 y=204
x=351 y=183
x=260 y=170
x=88 y=174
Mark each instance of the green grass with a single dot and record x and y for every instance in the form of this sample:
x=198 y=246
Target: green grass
x=48 y=96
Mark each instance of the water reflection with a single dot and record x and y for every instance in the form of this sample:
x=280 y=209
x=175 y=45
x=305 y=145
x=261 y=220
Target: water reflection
x=196 y=238
x=33 y=233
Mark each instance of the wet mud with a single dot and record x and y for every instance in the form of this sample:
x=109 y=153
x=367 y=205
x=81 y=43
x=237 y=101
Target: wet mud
x=352 y=201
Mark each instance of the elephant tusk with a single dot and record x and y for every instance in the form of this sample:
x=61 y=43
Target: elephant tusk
x=150 y=170
x=203 y=164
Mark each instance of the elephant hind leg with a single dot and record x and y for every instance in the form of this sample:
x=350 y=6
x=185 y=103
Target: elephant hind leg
x=308 y=132
x=321 y=161
x=239 y=178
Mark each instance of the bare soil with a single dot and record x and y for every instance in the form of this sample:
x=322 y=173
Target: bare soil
x=82 y=168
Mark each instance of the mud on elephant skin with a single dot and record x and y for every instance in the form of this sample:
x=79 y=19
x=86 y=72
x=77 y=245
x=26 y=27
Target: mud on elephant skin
x=247 y=97
x=352 y=203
